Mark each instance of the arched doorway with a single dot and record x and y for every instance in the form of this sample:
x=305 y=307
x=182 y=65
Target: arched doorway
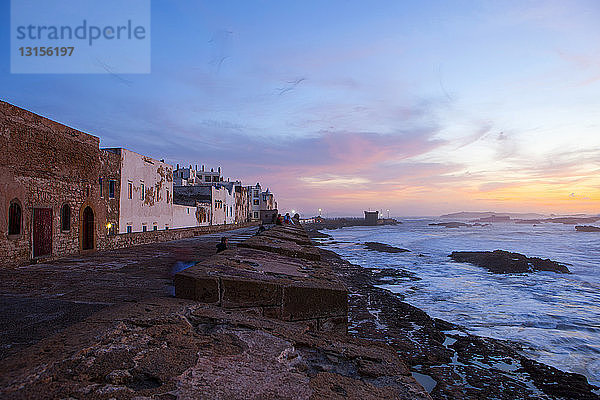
x=87 y=232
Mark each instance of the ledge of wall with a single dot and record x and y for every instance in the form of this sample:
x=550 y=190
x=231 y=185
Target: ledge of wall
x=276 y=274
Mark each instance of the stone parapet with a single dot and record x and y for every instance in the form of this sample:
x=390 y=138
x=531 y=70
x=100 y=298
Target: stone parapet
x=277 y=274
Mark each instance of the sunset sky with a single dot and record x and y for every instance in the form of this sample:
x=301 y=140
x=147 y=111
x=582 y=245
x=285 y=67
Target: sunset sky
x=420 y=107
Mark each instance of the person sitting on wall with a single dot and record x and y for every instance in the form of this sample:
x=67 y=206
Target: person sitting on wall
x=296 y=219
x=279 y=220
x=222 y=246
x=287 y=219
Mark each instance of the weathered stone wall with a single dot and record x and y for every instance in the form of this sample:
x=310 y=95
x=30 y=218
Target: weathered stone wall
x=276 y=274
x=138 y=238
x=44 y=164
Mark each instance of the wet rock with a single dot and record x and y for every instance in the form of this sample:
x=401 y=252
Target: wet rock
x=587 y=228
x=382 y=247
x=451 y=224
x=504 y=262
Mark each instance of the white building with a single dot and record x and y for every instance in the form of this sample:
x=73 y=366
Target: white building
x=193 y=176
x=145 y=201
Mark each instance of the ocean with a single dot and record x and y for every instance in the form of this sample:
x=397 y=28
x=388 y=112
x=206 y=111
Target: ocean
x=555 y=317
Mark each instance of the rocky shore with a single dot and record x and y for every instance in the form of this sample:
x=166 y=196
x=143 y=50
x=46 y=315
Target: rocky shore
x=444 y=357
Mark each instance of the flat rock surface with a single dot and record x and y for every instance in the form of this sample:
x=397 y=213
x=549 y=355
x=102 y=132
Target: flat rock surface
x=39 y=300
x=504 y=262
x=171 y=348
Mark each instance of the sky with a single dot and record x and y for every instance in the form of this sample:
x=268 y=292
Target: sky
x=420 y=108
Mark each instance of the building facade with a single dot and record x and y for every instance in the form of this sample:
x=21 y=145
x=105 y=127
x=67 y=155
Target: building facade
x=50 y=188
x=146 y=196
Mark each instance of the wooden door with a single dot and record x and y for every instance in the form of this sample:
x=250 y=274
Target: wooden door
x=87 y=242
x=42 y=232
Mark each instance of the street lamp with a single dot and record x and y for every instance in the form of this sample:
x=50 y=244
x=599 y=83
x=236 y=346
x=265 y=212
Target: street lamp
x=320 y=212
x=388 y=214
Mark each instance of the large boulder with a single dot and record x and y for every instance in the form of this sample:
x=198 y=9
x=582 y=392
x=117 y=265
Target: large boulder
x=504 y=262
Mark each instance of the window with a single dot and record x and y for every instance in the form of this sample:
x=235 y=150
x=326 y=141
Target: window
x=255 y=202
x=129 y=190
x=142 y=191
x=111 y=189
x=264 y=197
x=167 y=196
x=215 y=179
x=207 y=178
x=129 y=228
x=155 y=228
x=65 y=218
x=157 y=195
x=256 y=193
x=255 y=214
x=14 y=218
x=101 y=188
x=144 y=228
x=166 y=227
x=188 y=210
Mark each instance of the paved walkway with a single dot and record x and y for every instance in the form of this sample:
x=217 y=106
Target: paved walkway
x=39 y=300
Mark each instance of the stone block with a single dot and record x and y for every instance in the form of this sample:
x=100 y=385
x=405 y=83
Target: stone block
x=199 y=288
x=249 y=293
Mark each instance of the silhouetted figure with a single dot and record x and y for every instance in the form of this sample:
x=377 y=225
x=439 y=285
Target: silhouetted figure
x=296 y=219
x=223 y=245
x=279 y=220
x=287 y=219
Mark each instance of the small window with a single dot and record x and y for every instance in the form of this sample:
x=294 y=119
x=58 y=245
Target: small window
x=130 y=190
x=101 y=188
x=166 y=227
x=207 y=178
x=111 y=189
x=167 y=196
x=129 y=228
x=255 y=214
x=256 y=202
x=157 y=195
x=14 y=218
x=155 y=228
x=142 y=191
x=144 y=228
x=65 y=217
x=188 y=210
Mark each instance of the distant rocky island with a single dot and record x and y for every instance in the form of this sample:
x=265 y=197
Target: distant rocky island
x=456 y=224
x=504 y=262
x=534 y=219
